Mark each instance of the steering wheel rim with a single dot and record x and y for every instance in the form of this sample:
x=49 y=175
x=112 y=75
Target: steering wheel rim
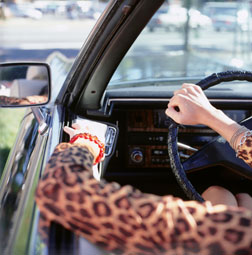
x=175 y=162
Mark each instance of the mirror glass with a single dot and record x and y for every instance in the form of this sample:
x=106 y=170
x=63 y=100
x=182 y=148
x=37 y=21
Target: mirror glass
x=24 y=84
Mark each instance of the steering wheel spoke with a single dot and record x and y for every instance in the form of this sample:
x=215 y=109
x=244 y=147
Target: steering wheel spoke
x=217 y=152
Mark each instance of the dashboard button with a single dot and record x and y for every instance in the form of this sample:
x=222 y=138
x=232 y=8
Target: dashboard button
x=137 y=156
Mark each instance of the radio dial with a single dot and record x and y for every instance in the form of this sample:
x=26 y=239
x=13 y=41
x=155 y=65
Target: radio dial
x=137 y=156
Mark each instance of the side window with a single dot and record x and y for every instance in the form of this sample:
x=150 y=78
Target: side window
x=47 y=31
x=9 y=123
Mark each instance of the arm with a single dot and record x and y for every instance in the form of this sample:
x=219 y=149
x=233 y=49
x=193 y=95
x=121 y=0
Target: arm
x=124 y=219
x=194 y=108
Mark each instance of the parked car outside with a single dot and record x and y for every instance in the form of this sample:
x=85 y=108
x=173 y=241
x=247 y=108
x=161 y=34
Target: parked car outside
x=174 y=18
x=24 y=11
x=228 y=16
x=155 y=22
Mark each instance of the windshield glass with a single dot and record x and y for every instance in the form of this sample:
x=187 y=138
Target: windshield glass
x=189 y=39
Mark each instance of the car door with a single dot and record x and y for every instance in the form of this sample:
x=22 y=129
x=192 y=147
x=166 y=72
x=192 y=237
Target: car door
x=24 y=166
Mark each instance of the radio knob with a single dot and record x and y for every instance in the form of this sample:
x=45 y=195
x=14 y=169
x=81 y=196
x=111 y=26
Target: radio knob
x=137 y=156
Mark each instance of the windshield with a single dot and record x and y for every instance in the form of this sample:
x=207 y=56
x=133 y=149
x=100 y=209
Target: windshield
x=189 y=41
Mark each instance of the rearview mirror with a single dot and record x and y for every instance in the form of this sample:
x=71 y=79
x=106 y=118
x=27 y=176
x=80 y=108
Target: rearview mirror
x=24 y=84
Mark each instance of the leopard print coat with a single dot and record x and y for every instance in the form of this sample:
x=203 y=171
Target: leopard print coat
x=124 y=220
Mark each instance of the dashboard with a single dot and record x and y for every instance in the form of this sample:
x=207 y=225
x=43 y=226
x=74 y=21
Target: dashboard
x=141 y=157
x=143 y=132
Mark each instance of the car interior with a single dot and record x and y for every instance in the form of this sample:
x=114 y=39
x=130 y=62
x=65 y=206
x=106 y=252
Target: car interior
x=138 y=127
x=137 y=131
x=137 y=134
x=137 y=112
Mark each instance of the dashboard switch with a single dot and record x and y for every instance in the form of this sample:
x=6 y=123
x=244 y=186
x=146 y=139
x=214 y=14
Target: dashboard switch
x=137 y=156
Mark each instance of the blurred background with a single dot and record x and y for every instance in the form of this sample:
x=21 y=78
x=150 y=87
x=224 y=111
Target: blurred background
x=54 y=31
x=32 y=31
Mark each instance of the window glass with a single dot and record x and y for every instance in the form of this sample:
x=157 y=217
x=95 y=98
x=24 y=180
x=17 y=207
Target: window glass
x=189 y=39
x=41 y=30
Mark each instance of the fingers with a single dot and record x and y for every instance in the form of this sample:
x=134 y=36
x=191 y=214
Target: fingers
x=172 y=105
x=179 y=101
x=75 y=129
x=189 y=89
x=171 y=112
x=70 y=131
x=244 y=200
x=182 y=91
x=186 y=90
x=76 y=126
x=85 y=127
x=191 y=85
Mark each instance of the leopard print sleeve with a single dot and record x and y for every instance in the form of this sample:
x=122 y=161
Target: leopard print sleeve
x=245 y=150
x=123 y=220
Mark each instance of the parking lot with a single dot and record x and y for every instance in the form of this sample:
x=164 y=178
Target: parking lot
x=20 y=38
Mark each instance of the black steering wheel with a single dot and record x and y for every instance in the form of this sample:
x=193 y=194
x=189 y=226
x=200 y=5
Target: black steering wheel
x=216 y=152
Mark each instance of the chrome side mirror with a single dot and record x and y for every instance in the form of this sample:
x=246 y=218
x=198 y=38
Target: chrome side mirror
x=24 y=84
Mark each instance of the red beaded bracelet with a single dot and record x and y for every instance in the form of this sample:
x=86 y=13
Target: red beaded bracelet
x=92 y=139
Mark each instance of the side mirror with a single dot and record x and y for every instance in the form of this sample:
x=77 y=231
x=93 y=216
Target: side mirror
x=24 y=84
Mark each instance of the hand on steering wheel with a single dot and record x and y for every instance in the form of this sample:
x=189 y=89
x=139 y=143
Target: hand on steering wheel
x=189 y=106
